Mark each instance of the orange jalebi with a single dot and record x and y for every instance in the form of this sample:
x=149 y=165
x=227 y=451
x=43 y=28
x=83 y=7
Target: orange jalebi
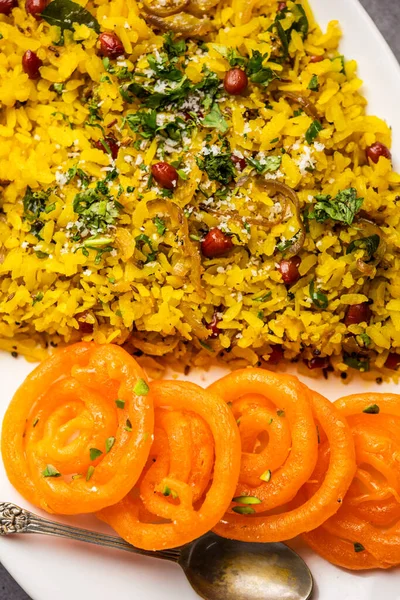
x=365 y=533
x=77 y=433
x=278 y=420
x=191 y=475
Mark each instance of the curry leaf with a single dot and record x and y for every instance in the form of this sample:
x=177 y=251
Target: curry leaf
x=319 y=299
x=267 y=164
x=342 y=208
x=64 y=13
x=313 y=131
x=370 y=244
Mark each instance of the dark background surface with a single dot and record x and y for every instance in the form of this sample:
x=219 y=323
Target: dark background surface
x=386 y=14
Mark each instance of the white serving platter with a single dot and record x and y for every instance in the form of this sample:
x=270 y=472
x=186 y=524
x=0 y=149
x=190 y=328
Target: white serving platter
x=50 y=569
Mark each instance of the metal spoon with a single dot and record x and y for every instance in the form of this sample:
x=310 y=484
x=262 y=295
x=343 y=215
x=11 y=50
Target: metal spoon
x=217 y=568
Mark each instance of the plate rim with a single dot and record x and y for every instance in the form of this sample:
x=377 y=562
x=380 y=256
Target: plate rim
x=394 y=65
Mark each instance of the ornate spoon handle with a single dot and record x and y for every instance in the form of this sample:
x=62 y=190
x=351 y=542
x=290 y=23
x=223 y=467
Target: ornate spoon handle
x=14 y=519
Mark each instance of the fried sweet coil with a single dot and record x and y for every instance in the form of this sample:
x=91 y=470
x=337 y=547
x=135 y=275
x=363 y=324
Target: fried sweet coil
x=365 y=533
x=191 y=475
x=284 y=410
x=64 y=409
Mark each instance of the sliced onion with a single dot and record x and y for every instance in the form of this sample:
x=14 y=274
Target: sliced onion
x=196 y=324
x=200 y=7
x=166 y=9
x=190 y=249
x=181 y=23
x=159 y=348
x=308 y=106
x=288 y=192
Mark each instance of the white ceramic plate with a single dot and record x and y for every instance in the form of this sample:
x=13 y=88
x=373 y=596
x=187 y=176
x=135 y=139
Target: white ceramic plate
x=48 y=568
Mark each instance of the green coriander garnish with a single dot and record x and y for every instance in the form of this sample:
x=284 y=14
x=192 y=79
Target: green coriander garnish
x=372 y=409
x=109 y=443
x=128 y=426
x=243 y=510
x=95 y=453
x=89 y=473
x=51 y=471
x=141 y=388
x=280 y=413
x=266 y=476
x=120 y=403
x=358 y=547
x=168 y=492
x=246 y=500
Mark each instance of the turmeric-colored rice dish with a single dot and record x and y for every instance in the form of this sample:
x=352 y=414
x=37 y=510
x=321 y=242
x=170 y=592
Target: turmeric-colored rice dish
x=197 y=181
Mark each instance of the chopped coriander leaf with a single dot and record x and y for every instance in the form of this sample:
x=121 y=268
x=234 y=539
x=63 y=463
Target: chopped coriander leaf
x=143 y=241
x=120 y=403
x=51 y=471
x=143 y=122
x=34 y=203
x=263 y=298
x=50 y=208
x=58 y=87
x=160 y=225
x=209 y=86
x=215 y=119
x=173 y=48
x=128 y=425
x=280 y=413
x=359 y=363
x=256 y=72
x=301 y=24
x=218 y=168
x=39 y=296
x=358 y=547
x=268 y=164
x=319 y=299
x=313 y=131
x=266 y=476
x=342 y=208
x=141 y=388
x=183 y=175
x=96 y=208
x=107 y=65
x=372 y=409
x=41 y=254
x=95 y=453
x=109 y=443
x=163 y=69
x=80 y=174
x=370 y=244
x=246 y=500
x=168 y=492
x=243 y=510
x=365 y=338
x=282 y=246
x=314 y=84
x=206 y=346
x=89 y=473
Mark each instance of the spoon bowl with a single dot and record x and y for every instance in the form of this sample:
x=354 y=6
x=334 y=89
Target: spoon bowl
x=216 y=568
x=222 y=569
